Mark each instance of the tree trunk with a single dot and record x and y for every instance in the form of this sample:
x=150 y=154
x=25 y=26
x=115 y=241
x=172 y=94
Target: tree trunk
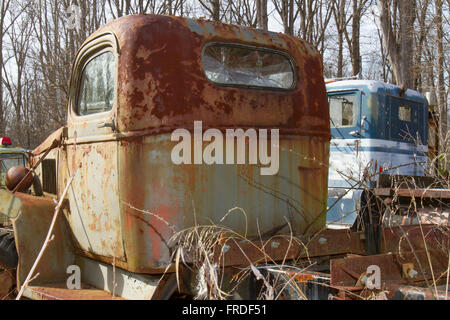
x=261 y=14
x=216 y=10
x=288 y=15
x=355 y=47
x=340 y=18
x=441 y=93
x=2 y=101
x=399 y=42
x=2 y=108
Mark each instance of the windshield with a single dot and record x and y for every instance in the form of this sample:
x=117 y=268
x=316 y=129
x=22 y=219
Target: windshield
x=7 y=161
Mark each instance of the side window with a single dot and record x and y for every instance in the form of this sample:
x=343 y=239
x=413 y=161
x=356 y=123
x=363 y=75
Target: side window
x=96 y=90
x=405 y=120
x=7 y=161
x=343 y=110
x=404 y=112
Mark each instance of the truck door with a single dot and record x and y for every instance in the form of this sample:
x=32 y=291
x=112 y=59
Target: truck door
x=345 y=167
x=404 y=129
x=92 y=150
x=346 y=135
x=404 y=120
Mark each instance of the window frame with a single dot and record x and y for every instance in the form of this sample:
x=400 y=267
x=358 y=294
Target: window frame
x=410 y=109
x=402 y=130
x=256 y=48
x=101 y=44
x=17 y=155
x=79 y=83
x=354 y=110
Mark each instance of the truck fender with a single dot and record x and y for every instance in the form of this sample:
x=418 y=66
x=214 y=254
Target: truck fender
x=31 y=217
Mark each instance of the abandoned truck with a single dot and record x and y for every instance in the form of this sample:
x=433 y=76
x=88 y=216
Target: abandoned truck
x=135 y=84
x=377 y=129
x=194 y=163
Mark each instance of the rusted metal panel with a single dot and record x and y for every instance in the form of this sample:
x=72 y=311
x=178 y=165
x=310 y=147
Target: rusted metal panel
x=52 y=141
x=399 y=239
x=279 y=248
x=94 y=213
x=425 y=216
x=417 y=293
x=10 y=205
x=349 y=271
x=413 y=193
x=178 y=197
x=6 y=283
x=412 y=255
x=30 y=229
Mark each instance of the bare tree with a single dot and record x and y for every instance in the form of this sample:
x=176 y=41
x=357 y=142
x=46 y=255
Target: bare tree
x=261 y=14
x=315 y=16
x=213 y=8
x=359 y=9
x=242 y=12
x=341 y=20
x=288 y=14
x=385 y=65
x=119 y=8
x=397 y=25
x=7 y=19
x=126 y=7
x=420 y=38
x=4 y=5
x=14 y=78
x=441 y=92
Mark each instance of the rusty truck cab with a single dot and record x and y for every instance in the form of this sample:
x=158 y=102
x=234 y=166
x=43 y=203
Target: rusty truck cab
x=138 y=80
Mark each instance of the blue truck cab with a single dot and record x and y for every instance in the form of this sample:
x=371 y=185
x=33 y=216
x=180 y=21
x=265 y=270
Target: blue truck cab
x=376 y=128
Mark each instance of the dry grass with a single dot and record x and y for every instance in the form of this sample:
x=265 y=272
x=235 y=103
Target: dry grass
x=202 y=242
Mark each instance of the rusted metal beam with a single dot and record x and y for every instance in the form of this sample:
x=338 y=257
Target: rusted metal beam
x=278 y=248
x=416 y=193
x=417 y=293
x=395 y=269
x=408 y=238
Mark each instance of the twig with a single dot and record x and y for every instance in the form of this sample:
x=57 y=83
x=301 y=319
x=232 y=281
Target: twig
x=47 y=239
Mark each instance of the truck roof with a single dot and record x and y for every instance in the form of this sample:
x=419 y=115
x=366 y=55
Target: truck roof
x=162 y=84
x=13 y=150
x=375 y=86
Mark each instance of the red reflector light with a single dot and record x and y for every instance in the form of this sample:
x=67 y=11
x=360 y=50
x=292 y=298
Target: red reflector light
x=6 y=141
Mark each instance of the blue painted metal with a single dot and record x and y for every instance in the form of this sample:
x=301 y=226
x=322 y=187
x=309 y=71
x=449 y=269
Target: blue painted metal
x=378 y=140
x=378 y=100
